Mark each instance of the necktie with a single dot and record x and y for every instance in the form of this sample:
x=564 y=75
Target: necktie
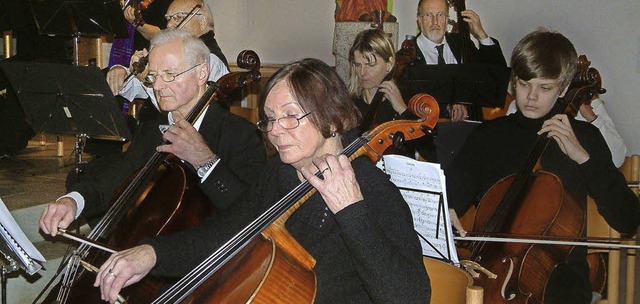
x=440 y=49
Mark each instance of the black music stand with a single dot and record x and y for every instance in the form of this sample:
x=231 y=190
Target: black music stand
x=481 y=85
x=64 y=99
x=74 y=18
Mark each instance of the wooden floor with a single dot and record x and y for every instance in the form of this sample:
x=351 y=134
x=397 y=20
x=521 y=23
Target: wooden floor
x=36 y=176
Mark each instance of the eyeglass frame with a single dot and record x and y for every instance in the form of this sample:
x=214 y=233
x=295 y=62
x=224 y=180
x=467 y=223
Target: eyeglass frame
x=271 y=122
x=186 y=14
x=438 y=15
x=147 y=81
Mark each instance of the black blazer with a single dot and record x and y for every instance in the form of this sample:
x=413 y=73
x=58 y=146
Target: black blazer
x=235 y=140
x=491 y=54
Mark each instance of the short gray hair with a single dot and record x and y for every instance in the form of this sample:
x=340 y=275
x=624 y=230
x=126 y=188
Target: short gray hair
x=195 y=51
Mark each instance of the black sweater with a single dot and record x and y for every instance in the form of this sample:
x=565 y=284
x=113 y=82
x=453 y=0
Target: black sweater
x=500 y=147
x=366 y=253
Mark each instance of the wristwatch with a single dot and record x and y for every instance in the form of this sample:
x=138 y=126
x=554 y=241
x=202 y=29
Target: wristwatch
x=202 y=170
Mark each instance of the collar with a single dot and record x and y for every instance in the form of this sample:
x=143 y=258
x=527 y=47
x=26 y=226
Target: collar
x=198 y=122
x=425 y=44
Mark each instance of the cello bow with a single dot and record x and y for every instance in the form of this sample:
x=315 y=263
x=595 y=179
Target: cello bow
x=269 y=227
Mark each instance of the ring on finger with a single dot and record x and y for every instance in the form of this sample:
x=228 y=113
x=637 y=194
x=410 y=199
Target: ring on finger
x=111 y=273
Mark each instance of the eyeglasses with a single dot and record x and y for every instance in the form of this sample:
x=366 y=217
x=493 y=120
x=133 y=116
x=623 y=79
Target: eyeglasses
x=179 y=16
x=439 y=15
x=167 y=77
x=286 y=122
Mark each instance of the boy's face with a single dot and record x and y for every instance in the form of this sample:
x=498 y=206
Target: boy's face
x=537 y=96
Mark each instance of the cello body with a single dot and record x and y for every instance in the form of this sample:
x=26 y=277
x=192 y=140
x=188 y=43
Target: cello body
x=267 y=271
x=523 y=269
x=162 y=197
x=171 y=201
x=263 y=263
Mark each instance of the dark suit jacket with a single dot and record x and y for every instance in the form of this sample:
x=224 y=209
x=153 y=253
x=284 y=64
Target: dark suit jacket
x=236 y=141
x=491 y=54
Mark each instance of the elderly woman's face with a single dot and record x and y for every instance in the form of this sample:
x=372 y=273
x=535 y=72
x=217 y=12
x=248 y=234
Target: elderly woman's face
x=296 y=146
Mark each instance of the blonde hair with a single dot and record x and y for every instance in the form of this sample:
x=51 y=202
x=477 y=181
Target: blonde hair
x=369 y=43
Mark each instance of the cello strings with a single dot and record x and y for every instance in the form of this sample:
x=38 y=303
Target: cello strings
x=229 y=249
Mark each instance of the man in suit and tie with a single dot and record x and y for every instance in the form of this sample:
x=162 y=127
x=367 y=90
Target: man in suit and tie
x=437 y=46
x=225 y=151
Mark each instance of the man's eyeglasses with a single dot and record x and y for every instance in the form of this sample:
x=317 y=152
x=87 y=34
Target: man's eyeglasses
x=179 y=16
x=167 y=77
x=438 y=15
x=286 y=122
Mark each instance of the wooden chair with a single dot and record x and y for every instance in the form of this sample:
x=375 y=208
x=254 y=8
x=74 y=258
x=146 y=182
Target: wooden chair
x=248 y=113
x=598 y=227
x=450 y=284
x=492 y=113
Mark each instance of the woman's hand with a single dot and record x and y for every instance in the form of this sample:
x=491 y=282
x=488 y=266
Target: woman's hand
x=339 y=187
x=559 y=128
x=392 y=93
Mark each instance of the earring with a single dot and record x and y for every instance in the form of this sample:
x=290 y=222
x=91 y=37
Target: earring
x=334 y=134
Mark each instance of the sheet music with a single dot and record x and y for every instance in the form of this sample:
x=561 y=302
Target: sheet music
x=17 y=241
x=422 y=185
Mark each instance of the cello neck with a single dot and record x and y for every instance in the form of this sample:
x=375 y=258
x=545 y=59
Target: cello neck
x=463 y=31
x=372 y=144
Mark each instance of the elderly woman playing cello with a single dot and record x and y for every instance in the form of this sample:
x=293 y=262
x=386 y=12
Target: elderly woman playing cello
x=357 y=226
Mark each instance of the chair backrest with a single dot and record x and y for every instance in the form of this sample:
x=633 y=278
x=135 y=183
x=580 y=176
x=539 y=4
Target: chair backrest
x=493 y=113
x=448 y=283
x=598 y=227
x=248 y=113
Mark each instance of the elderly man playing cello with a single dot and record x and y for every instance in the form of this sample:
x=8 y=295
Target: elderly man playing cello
x=224 y=150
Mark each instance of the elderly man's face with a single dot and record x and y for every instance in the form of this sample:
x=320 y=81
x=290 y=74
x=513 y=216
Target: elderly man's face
x=182 y=93
x=178 y=10
x=432 y=18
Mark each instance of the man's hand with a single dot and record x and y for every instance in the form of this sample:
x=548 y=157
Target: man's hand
x=186 y=143
x=458 y=112
x=115 y=79
x=58 y=214
x=559 y=128
x=455 y=221
x=123 y=269
x=475 y=27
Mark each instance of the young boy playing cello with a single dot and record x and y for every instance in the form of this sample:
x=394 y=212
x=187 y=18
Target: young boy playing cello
x=543 y=65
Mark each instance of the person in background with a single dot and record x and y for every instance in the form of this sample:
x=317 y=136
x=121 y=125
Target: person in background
x=224 y=150
x=596 y=114
x=200 y=23
x=372 y=58
x=543 y=65
x=357 y=226
x=433 y=17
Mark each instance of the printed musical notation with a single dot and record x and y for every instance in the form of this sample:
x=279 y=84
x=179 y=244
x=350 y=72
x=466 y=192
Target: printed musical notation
x=16 y=241
x=422 y=185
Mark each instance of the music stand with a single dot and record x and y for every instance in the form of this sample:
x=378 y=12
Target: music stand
x=16 y=249
x=64 y=99
x=482 y=85
x=74 y=18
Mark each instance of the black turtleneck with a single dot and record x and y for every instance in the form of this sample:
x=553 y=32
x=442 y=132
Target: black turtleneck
x=500 y=147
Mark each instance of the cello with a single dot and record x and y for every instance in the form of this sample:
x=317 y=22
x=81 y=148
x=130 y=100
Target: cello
x=263 y=263
x=160 y=198
x=513 y=206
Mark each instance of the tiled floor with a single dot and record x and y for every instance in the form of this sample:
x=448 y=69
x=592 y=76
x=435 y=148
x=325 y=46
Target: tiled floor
x=36 y=175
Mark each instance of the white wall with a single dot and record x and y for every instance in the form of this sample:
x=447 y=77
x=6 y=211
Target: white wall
x=606 y=31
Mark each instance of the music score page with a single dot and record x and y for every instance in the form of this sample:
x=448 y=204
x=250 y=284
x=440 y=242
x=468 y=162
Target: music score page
x=423 y=187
